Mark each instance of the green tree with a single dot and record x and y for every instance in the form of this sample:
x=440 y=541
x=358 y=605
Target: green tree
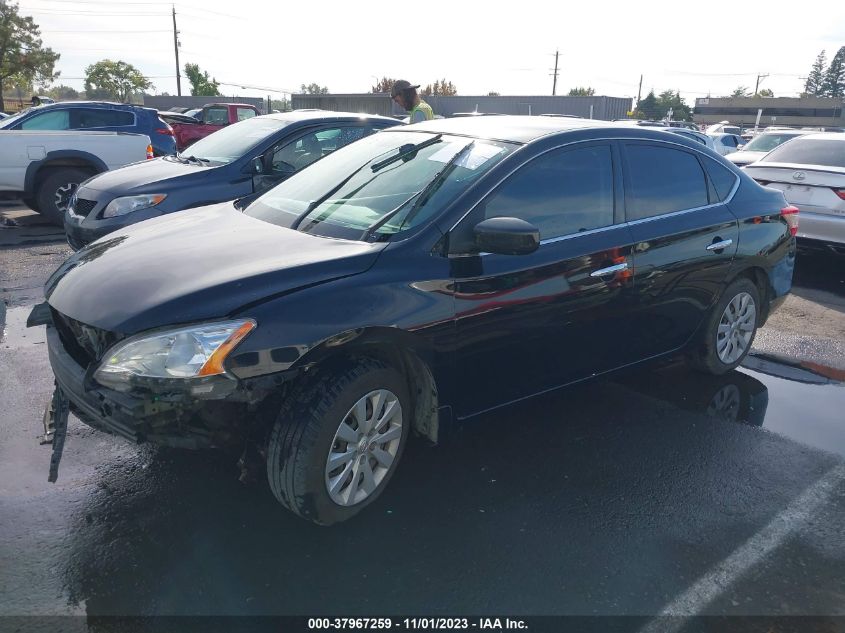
x=63 y=93
x=648 y=108
x=740 y=91
x=582 y=92
x=834 y=77
x=385 y=84
x=282 y=105
x=441 y=88
x=201 y=84
x=314 y=89
x=765 y=92
x=814 y=86
x=23 y=57
x=671 y=100
x=116 y=80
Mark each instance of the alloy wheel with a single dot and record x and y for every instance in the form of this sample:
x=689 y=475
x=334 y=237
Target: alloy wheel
x=364 y=447
x=63 y=195
x=736 y=328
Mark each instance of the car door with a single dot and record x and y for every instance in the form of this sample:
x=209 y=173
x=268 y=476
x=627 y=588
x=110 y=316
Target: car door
x=685 y=238
x=526 y=324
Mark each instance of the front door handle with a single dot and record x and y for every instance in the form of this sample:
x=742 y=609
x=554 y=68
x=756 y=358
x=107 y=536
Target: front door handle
x=718 y=246
x=604 y=272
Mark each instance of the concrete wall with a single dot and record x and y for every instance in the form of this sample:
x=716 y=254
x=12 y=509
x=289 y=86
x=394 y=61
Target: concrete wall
x=606 y=108
x=797 y=111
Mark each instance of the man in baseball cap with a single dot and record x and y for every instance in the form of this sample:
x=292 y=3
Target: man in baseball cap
x=406 y=97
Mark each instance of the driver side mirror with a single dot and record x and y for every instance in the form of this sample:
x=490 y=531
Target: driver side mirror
x=257 y=165
x=506 y=236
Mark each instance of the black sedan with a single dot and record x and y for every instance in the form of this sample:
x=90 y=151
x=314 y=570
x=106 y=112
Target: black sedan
x=426 y=273
x=239 y=160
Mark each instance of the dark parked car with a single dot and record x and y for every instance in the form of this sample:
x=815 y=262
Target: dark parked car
x=239 y=160
x=425 y=273
x=97 y=115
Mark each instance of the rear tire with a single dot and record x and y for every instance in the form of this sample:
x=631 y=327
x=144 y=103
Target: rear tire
x=323 y=463
x=729 y=330
x=55 y=189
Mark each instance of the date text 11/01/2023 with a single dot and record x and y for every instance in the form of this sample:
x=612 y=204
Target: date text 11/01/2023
x=431 y=624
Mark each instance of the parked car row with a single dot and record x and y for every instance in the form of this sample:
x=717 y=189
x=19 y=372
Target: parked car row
x=386 y=286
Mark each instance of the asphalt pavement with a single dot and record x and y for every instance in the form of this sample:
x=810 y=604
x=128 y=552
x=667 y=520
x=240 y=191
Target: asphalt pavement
x=657 y=491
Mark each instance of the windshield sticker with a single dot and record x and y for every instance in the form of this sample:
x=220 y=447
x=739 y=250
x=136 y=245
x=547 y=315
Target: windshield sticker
x=473 y=159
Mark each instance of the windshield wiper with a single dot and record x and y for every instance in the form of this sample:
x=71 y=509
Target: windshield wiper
x=194 y=159
x=423 y=194
x=375 y=167
x=405 y=150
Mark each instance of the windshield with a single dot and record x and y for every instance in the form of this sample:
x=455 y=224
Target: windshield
x=9 y=122
x=233 y=141
x=767 y=142
x=378 y=186
x=809 y=151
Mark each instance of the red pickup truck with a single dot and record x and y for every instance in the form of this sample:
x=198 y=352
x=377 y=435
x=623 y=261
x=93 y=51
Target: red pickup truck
x=212 y=117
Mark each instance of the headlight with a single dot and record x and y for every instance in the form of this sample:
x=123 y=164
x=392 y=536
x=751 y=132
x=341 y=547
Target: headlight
x=128 y=204
x=189 y=352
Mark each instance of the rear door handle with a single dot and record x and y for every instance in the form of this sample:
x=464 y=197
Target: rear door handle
x=604 y=272
x=718 y=246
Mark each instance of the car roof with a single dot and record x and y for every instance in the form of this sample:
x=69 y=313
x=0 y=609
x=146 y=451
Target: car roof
x=525 y=129
x=328 y=115
x=823 y=136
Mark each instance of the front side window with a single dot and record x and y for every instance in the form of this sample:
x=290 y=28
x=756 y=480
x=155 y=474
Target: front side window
x=662 y=180
x=52 y=120
x=809 y=151
x=312 y=146
x=380 y=186
x=563 y=192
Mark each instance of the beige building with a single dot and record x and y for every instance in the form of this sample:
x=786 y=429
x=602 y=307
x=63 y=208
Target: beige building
x=791 y=111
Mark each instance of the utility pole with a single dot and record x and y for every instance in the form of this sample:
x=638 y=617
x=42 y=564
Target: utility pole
x=554 y=82
x=176 y=50
x=640 y=90
x=760 y=76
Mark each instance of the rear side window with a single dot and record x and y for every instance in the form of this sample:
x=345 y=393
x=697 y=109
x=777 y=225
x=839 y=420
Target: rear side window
x=563 y=192
x=245 y=113
x=662 y=180
x=82 y=118
x=809 y=151
x=216 y=116
x=723 y=179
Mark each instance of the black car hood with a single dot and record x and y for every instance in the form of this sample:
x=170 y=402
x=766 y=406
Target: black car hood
x=147 y=177
x=200 y=264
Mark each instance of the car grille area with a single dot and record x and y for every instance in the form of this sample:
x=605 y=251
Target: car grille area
x=84 y=207
x=85 y=344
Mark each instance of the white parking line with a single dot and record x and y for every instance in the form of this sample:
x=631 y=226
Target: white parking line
x=710 y=586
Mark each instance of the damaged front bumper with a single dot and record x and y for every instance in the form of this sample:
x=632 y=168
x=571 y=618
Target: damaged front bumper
x=217 y=411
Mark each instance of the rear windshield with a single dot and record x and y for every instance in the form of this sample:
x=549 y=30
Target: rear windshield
x=767 y=142
x=807 y=151
x=232 y=142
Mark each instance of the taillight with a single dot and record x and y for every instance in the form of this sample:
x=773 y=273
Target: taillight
x=840 y=193
x=150 y=155
x=167 y=131
x=790 y=214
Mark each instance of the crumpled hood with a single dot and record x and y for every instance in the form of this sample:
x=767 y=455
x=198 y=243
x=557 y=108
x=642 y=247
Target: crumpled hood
x=199 y=264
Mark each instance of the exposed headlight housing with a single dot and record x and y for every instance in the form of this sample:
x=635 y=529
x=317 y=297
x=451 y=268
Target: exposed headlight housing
x=128 y=204
x=190 y=352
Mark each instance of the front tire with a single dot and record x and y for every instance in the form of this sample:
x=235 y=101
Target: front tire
x=336 y=442
x=729 y=331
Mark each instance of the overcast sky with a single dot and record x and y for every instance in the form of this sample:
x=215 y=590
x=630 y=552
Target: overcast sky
x=699 y=48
